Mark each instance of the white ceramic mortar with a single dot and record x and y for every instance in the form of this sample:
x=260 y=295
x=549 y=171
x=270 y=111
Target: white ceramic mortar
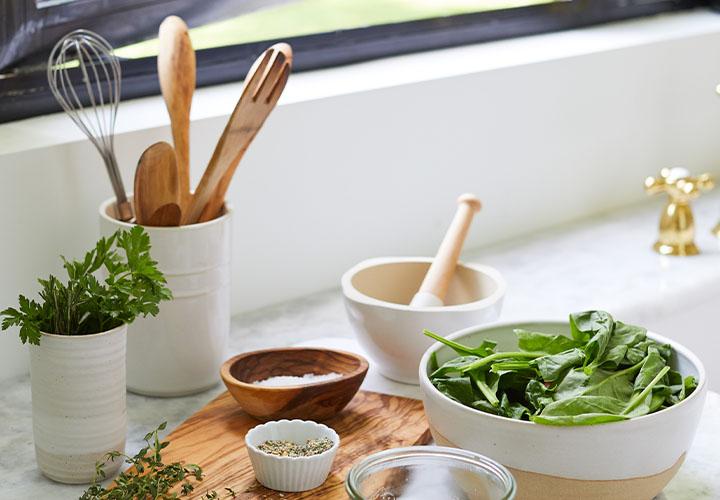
x=377 y=293
x=180 y=351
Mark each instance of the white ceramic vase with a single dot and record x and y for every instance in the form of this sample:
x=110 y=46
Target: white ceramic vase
x=78 y=403
x=180 y=351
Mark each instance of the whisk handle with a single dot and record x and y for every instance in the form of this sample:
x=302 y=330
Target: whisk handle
x=122 y=205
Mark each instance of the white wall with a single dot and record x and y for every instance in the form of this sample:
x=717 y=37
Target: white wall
x=330 y=181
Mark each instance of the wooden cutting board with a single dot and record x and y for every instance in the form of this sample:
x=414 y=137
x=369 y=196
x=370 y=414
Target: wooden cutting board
x=214 y=438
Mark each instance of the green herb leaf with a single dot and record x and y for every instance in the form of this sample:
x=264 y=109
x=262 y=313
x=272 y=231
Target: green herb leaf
x=455 y=365
x=553 y=366
x=486 y=348
x=83 y=305
x=594 y=328
x=544 y=342
x=457 y=388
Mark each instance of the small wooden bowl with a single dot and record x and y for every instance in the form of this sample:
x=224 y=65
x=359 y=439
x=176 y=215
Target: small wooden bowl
x=315 y=401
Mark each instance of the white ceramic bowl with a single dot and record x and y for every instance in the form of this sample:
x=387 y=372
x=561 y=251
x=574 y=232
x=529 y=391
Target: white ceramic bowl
x=291 y=473
x=378 y=291
x=631 y=460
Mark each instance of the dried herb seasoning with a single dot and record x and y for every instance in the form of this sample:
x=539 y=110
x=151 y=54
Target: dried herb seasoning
x=284 y=448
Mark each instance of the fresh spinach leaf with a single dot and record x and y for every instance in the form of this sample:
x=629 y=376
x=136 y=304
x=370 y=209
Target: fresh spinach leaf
x=595 y=328
x=501 y=356
x=651 y=366
x=513 y=409
x=553 y=366
x=581 y=419
x=486 y=348
x=544 y=342
x=582 y=410
x=538 y=394
x=487 y=384
x=641 y=402
x=457 y=388
x=454 y=365
x=627 y=335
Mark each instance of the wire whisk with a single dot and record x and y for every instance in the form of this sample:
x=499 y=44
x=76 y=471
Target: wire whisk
x=84 y=76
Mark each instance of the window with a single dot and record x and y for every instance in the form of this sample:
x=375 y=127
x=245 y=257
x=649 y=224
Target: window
x=229 y=34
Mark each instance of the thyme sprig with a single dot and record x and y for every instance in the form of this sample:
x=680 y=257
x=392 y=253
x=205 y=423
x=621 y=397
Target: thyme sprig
x=148 y=477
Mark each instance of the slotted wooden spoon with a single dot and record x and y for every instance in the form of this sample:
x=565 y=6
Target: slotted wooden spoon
x=156 y=187
x=263 y=85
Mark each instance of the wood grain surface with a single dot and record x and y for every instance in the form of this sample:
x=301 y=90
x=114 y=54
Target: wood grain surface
x=317 y=401
x=214 y=438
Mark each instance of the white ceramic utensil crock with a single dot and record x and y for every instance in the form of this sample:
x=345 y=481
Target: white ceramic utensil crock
x=78 y=403
x=377 y=293
x=180 y=351
x=628 y=460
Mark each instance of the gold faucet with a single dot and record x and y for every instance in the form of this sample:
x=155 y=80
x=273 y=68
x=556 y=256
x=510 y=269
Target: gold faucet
x=677 y=226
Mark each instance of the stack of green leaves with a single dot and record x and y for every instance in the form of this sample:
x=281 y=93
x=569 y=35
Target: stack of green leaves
x=607 y=371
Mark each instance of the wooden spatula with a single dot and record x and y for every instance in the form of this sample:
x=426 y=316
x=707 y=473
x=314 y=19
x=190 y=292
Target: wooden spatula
x=176 y=71
x=263 y=85
x=437 y=279
x=156 y=187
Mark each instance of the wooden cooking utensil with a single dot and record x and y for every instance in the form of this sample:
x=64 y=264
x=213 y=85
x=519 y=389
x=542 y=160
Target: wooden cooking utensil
x=156 y=185
x=176 y=71
x=263 y=85
x=167 y=215
x=435 y=285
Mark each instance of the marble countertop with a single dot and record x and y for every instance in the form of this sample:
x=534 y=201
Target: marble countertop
x=604 y=261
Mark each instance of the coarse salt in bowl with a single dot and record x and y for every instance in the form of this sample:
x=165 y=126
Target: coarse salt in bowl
x=291 y=474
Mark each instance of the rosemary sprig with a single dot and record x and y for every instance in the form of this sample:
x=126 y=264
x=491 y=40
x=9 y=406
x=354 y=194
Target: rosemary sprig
x=149 y=478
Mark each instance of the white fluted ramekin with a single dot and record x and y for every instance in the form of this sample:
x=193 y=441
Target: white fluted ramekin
x=291 y=473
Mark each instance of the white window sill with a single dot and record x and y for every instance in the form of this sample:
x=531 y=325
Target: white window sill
x=212 y=102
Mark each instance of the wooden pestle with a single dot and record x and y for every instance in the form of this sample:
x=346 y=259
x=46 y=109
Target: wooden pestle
x=435 y=285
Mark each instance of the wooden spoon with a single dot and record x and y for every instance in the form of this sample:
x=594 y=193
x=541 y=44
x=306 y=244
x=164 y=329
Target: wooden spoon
x=167 y=215
x=156 y=185
x=435 y=285
x=176 y=71
x=263 y=85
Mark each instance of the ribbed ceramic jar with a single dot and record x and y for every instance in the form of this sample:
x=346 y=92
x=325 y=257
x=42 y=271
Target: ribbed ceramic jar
x=180 y=351
x=78 y=403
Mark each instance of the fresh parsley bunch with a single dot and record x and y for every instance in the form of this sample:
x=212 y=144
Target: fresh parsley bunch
x=84 y=304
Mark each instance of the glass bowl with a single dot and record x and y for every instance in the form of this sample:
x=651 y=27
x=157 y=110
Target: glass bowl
x=420 y=472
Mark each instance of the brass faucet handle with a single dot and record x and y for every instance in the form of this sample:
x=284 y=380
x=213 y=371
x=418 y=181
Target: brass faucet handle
x=677 y=227
x=679 y=184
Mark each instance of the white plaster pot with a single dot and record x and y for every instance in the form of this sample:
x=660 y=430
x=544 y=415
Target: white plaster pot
x=180 y=351
x=78 y=403
x=628 y=460
x=377 y=293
